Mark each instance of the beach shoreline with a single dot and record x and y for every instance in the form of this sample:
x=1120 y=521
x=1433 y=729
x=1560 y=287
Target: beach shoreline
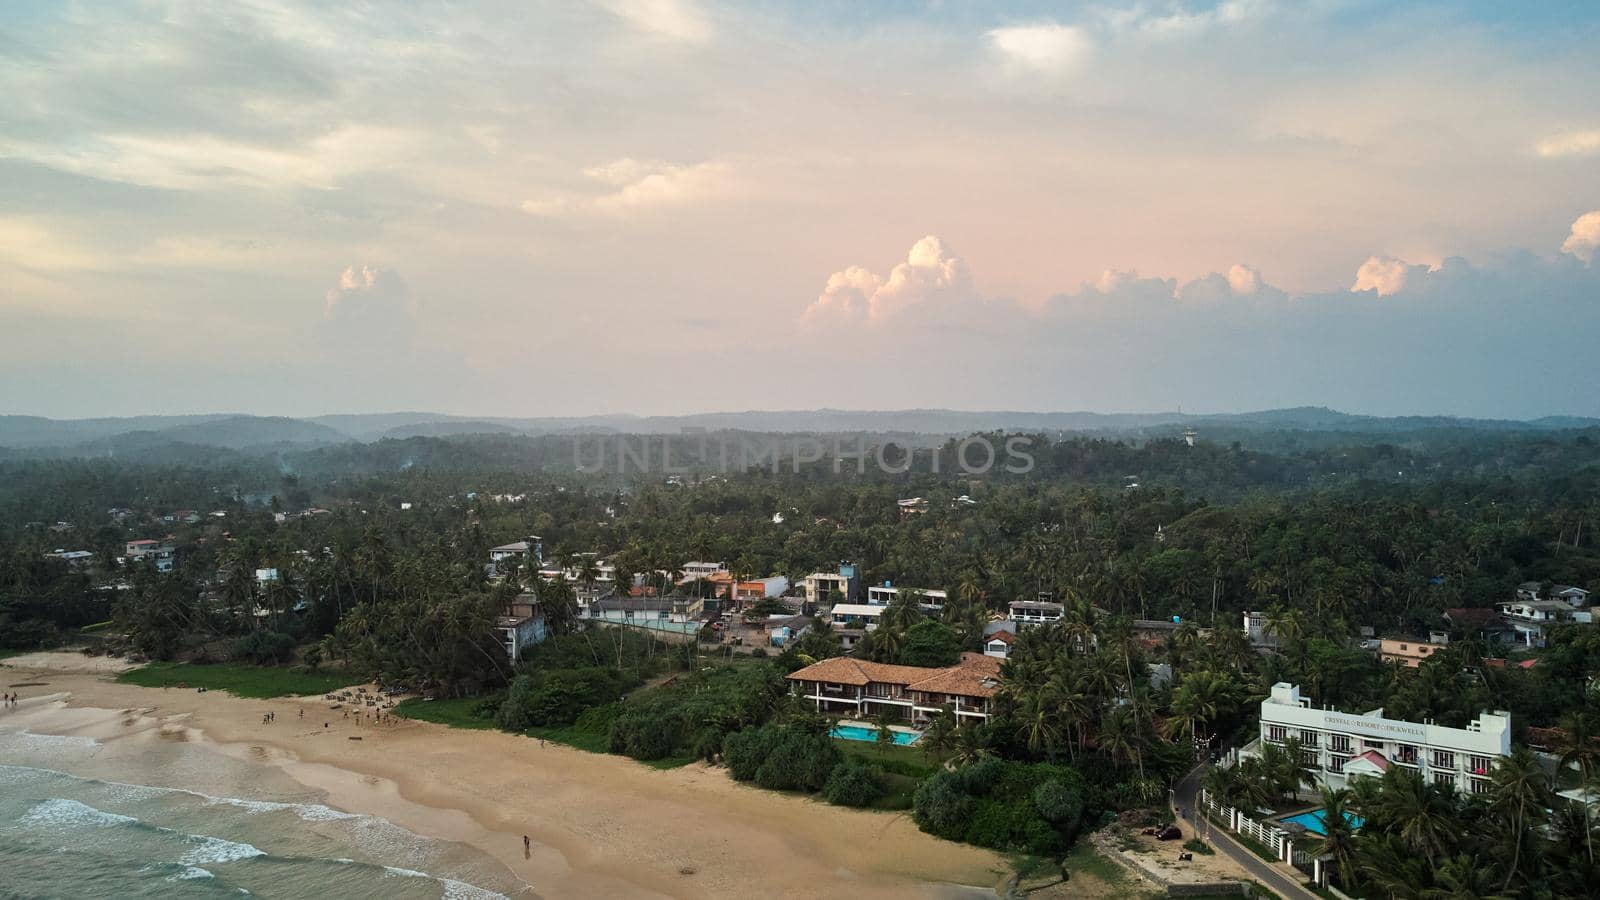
x=599 y=825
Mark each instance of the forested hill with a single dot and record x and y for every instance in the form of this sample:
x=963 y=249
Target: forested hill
x=61 y=438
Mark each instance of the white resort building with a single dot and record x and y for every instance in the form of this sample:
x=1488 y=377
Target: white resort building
x=1339 y=746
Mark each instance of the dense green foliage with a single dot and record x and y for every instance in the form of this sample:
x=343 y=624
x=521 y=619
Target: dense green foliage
x=1003 y=804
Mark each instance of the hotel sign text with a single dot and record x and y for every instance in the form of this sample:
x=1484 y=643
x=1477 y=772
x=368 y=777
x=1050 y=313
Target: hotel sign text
x=1375 y=727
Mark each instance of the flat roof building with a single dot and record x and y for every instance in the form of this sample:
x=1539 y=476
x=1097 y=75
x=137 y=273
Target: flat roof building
x=1331 y=742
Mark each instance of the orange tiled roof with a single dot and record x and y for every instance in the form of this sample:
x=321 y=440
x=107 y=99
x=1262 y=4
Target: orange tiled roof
x=966 y=677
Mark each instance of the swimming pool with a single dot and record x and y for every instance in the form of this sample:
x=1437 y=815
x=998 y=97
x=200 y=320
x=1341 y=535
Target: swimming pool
x=1312 y=821
x=860 y=733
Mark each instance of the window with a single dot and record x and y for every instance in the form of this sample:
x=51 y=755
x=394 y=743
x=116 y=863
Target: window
x=1336 y=764
x=1405 y=753
x=1479 y=765
x=1309 y=738
x=1340 y=743
x=1480 y=785
x=1443 y=759
x=1277 y=733
x=1444 y=778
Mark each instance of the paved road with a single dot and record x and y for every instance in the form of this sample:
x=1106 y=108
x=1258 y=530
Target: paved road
x=1292 y=887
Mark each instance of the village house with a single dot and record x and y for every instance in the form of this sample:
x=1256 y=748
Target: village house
x=998 y=645
x=862 y=689
x=521 y=625
x=1036 y=612
x=932 y=600
x=864 y=616
x=819 y=586
x=526 y=551
x=1409 y=652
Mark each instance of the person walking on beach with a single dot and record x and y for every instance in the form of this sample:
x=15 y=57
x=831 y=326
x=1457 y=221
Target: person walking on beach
x=527 y=847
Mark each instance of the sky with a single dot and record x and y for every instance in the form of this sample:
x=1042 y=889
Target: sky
x=673 y=206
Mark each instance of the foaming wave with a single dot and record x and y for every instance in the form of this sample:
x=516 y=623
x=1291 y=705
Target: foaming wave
x=191 y=873
x=214 y=850
x=67 y=814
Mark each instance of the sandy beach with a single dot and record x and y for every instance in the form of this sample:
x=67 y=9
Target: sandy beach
x=600 y=826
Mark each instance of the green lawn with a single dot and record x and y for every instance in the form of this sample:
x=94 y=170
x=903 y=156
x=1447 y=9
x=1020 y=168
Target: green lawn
x=895 y=759
x=456 y=712
x=254 y=682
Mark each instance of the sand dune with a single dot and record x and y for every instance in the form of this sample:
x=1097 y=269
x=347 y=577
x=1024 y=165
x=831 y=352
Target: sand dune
x=601 y=826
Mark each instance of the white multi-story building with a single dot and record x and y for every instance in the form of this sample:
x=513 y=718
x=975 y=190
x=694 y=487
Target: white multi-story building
x=884 y=594
x=1338 y=746
x=865 y=616
x=694 y=570
x=1036 y=612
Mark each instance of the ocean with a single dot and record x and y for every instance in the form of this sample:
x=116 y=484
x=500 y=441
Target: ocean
x=87 y=835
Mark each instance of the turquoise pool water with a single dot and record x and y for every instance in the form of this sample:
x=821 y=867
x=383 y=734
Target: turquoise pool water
x=1313 y=821
x=858 y=733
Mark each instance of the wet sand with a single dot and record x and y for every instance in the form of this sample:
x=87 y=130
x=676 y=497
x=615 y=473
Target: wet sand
x=600 y=826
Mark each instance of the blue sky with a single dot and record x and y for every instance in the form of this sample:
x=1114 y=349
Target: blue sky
x=295 y=208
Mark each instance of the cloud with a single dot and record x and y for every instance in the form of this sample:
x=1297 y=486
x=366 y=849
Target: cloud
x=680 y=21
x=631 y=185
x=1585 y=237
x=1384 y=274
x=1577 y=143
x=1048 y=48
x=1182 y=22
x=366 y=291
x=931 y=274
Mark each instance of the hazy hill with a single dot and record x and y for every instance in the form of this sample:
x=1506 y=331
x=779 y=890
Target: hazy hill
x=143 y=435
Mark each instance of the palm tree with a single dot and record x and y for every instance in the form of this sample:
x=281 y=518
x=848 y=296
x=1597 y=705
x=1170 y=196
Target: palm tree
x=1120 y=738
x=940 y=733
x=1389 y=865
x=1036 y=720
x=1521 y=793
x=1461 y=878
x=885 y=736
x=1339 y=838
x=1577 y=746
x=972 y=744
x=1423 y=815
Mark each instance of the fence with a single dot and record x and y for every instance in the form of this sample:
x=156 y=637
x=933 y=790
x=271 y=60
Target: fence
x=1269 y=836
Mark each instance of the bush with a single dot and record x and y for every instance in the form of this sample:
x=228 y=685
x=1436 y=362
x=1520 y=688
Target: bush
x=558 y=697
x=1010 y=806
x=264 y=647
x=781 y=757
x=1059 y=805
x=931 y=644
x=1195 y=845
x=941 y=806
x=853 y=783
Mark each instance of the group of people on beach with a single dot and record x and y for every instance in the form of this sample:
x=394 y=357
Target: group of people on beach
x=11 y=698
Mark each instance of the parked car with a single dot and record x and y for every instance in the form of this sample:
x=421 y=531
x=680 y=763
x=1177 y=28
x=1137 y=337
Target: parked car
x=1170 y=833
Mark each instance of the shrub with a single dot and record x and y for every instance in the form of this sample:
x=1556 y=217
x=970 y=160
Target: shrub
x=1059 y=805
x=853 y=783
x=1011 y=806
x=263 y=647
x=781 y=757
x=941 y=806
